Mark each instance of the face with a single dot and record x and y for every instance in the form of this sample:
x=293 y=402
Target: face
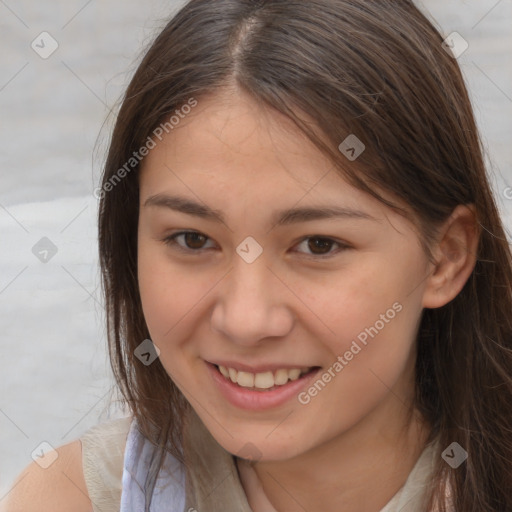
x=255 y=258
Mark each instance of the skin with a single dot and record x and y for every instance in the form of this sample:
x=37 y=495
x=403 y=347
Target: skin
x=291 y=305
x=61 y=487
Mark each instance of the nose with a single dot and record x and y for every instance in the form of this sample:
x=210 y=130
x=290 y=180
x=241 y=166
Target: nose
x=252 y=304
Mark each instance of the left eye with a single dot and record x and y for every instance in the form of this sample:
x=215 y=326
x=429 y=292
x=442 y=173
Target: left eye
x=194 y=241
x=320 y=246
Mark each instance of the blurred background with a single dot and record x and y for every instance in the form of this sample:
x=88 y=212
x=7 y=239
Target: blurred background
x=64 y=65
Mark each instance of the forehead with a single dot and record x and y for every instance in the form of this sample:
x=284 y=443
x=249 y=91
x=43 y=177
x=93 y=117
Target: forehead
x=230 y=131
x=230 y=150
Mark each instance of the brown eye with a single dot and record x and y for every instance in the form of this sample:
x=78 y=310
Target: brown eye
x=188 y=241
x=320 y=245
x=194 y=240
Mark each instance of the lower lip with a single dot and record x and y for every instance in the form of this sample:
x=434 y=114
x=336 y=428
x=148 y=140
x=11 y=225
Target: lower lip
x=249 y=399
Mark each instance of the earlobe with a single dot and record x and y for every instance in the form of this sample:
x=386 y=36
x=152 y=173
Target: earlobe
x=455 y=257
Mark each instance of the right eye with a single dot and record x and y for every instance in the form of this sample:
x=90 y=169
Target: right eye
x=192 y=241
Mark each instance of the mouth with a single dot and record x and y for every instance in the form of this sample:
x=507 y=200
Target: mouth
x=264 y=381
x=269 y=388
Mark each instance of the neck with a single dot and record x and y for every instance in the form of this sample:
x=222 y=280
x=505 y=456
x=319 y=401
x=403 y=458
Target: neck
x=358 y=471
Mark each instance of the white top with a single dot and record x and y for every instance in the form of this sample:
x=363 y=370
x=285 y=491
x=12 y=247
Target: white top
x=103 y=448
x=115 y=458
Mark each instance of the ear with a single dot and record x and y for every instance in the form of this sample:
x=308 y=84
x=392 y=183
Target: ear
x=454 y=255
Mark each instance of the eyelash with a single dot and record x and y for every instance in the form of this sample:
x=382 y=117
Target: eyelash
x=171 y=242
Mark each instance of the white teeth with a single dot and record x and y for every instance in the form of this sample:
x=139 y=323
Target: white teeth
x=294 y=374
x=264 y=380
x=281 y=377
x=245 y=379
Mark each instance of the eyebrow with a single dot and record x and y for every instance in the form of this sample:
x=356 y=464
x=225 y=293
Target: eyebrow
x=279 y=218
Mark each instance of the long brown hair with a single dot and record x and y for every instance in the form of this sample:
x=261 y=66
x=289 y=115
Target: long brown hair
x=376 y=69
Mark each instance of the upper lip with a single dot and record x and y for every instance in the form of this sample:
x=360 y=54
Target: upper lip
x=258 y=368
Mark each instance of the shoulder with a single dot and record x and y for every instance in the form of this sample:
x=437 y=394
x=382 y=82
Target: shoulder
x=86 y=470
x=58 y=488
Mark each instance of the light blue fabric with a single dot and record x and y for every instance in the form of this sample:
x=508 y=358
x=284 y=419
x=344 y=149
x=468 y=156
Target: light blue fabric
x=169 y=493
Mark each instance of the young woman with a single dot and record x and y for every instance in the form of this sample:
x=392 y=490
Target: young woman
x=307 y=282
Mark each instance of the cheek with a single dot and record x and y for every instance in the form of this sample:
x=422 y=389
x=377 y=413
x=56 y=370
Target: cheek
x=361 y=374
x=166 y=298
x=172 y=297
x=165 y=293
x=377 y=342
x=372 y=317
x=351 y=302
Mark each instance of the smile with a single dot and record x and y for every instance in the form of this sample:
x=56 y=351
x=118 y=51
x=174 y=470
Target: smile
x=260 y=390
x=262 y=380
